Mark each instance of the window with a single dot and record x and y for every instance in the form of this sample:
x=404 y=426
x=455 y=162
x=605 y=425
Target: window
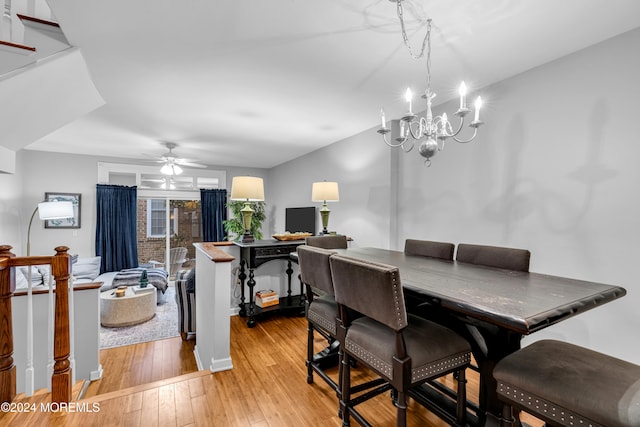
x=157 y=219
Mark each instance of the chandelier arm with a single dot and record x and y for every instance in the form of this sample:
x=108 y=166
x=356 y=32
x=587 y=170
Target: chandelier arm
x=419 y=131
x=460 y=125
x=464 y=141
x=413 y=144
x=400 y=144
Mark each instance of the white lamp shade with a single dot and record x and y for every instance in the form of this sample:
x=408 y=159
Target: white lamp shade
x=248 y=188
x=325 y=192
x=55 y=210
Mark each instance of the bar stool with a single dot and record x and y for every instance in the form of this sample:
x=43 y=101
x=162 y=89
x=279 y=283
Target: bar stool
x=428 y=248
x=568 y=385
x=490 y=256
x=329 y=241
x=321 y=311
x=494 y=256
x=403 y=350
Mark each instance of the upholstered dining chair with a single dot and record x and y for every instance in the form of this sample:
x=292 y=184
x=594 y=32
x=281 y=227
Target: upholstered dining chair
x=429 y=248
x=403 y=350
x=491 y=256
x=321 y=311
x=494 y=256
x=329 y=241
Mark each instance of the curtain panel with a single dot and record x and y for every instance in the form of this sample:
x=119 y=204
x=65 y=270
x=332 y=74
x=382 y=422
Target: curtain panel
x=116 y=234
x=214 y=212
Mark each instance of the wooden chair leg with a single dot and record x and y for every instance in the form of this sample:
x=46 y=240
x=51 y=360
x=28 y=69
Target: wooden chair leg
x=346 y=391
x=461 y=403
x=401 y=409
x=507 y=419
x=309 y=353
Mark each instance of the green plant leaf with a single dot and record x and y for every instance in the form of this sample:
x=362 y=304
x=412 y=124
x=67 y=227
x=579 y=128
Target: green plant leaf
x=235 y=225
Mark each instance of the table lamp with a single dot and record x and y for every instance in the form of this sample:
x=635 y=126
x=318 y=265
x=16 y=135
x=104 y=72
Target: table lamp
x=248 y=189
x=325 y=192
x=49 y=210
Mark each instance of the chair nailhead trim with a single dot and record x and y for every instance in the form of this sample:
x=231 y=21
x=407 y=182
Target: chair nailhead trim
x=433 y=369
x=367 y=357
x=322 y=322
x=542 y=407
x=397 y=298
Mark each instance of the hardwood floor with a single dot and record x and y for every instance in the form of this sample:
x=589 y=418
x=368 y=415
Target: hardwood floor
x=133 y=365
x=267 y=387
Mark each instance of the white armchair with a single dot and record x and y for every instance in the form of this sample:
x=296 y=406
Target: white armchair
x=177 y=257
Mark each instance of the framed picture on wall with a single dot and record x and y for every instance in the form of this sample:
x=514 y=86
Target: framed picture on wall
x=75 y=199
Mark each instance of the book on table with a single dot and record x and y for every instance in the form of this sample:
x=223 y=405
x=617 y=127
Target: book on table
x=139 y=290
x=267 y=298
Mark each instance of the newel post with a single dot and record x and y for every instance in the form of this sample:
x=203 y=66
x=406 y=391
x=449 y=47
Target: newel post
x=7 y=368
x=61 y=378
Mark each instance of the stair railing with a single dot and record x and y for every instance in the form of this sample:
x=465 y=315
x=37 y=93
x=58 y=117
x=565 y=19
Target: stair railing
x=61 y=379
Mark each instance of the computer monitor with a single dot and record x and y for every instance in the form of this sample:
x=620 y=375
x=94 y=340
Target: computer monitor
x=300 y=220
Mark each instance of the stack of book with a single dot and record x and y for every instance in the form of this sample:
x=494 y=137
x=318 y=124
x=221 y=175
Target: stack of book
x=267 y=298
x=140 y=290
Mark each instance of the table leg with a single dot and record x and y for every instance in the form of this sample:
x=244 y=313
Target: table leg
x=289 y=272
x=251 y=283
x=242 y=276
x=490 y=345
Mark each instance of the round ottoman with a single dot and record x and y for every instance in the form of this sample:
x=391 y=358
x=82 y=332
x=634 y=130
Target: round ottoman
x=130 y=309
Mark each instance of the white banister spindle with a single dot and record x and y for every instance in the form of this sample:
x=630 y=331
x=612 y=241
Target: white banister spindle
x=50 y=337
x=72 y=340
x=29 y=372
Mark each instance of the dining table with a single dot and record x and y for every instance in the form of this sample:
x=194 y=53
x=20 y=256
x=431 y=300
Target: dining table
x=493 y=308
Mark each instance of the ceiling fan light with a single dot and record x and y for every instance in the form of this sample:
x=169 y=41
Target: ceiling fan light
x=170 y=169
x=166 y=169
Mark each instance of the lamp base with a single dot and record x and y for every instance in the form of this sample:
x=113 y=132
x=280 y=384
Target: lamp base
x=247 y=238
x=324 y=215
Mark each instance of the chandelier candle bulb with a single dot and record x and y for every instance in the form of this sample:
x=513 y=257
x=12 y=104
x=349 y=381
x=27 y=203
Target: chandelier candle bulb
x=478 y=105
x=382 y=118
x=408 y=96
x=463 y=96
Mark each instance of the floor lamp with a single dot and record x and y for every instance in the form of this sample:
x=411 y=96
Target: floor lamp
x=49 y=210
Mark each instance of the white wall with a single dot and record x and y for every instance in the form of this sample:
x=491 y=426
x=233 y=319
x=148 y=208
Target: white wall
x=554 y=170
x=361 y=167
x=11 y=207
x=40 y=172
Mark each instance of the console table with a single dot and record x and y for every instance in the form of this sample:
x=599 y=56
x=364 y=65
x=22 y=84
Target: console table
x=254 y=254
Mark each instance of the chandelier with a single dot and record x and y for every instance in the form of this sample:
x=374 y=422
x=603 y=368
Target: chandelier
x=431 y=131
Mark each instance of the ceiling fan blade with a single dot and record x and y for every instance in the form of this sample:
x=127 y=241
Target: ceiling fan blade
x=184 y=162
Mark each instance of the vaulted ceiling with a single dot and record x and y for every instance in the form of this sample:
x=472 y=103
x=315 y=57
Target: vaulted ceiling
x=257 y=83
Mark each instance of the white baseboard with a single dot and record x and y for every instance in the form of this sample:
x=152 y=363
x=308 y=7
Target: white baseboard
x=97 y=374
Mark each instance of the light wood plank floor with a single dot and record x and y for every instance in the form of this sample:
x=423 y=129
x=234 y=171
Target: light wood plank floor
x=267 y=387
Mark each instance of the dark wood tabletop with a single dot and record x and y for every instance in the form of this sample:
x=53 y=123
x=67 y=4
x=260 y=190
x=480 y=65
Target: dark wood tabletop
x=518 y=301
x=492 y=308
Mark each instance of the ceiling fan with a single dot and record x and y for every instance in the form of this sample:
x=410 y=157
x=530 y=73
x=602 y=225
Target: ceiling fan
x=172 y=163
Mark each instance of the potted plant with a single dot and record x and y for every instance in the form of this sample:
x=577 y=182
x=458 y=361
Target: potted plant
x=235 y=227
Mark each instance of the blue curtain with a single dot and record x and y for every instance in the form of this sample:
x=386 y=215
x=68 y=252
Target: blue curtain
x=116 y=234
x=214 y=211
